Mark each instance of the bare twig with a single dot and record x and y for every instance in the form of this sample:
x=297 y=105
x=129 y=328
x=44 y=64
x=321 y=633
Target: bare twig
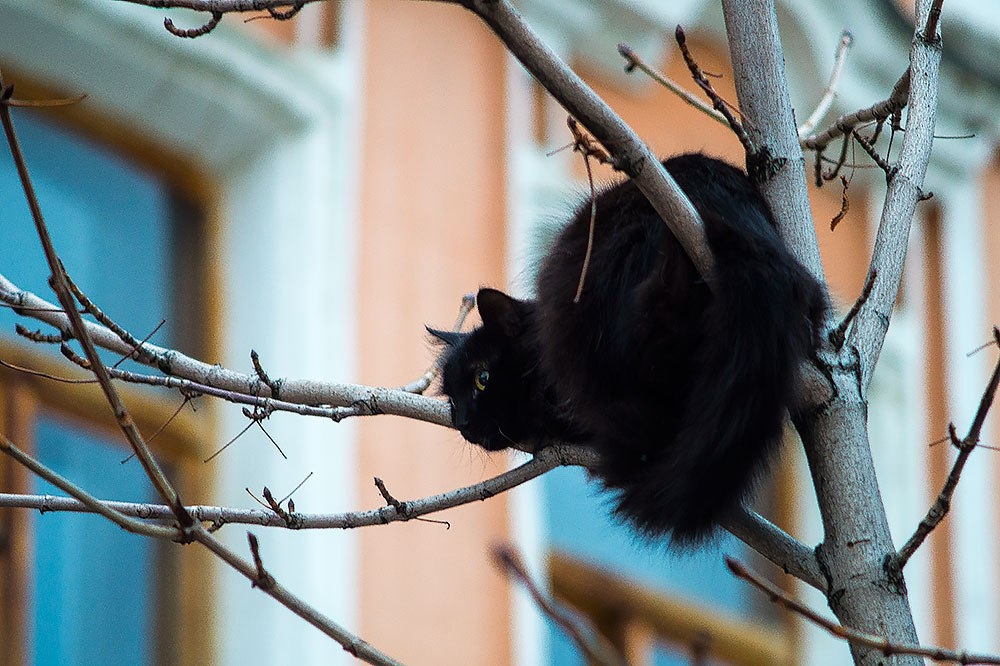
x=45 y=375
x=423 y=382
x=869 y=147
x=633 y=62
x=965 y=446
x=830 y=92
x=291 y=506
x=191 y=33
x=782 y=549
x=718 y=103
x=933 y=17
x=273 y=384
x=59 y=283
x=853 y=636
x=85 y=499
x=582 y=144
x=592 y=643
x=545 y=460
x=837 y=335
x=222 y=6
x=46 y=103
x=628 y=153
x=288 y=14
x=265 y=582
x=102 y=317
x=189 y=374
x=845 y=202
x=878 y=112
x=902 y=195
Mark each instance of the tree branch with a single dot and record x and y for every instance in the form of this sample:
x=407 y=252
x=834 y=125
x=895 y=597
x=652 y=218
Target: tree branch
x=59 y=282
x=965 y=446
x=592 y=643
x=830 y=92
x=269 y=586
x=547 y=459
x=766 y=107
x=629 y=154
x=776 y=545
x=245 y=388
x=853 y=636
x=88 y=502
x=904 y=190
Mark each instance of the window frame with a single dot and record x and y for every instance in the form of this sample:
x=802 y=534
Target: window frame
x=183 y=445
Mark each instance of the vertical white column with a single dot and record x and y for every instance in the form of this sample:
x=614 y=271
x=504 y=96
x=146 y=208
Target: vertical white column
x=973 y=508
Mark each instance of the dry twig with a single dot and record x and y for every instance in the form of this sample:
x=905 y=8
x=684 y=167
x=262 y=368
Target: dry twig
x=826 y=101
x=633 y=62
x=592 y=643
x=838 y=334
x=718 y=103
x=965 y=446
x=853 y=636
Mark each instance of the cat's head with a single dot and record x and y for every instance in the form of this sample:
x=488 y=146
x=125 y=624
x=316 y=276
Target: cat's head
x=487 y=373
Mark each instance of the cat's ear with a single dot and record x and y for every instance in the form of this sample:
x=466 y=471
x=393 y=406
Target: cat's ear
x=500 y=312
x=450 y=338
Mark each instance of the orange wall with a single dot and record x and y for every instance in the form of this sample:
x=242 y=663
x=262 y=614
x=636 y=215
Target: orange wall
x=432 y=229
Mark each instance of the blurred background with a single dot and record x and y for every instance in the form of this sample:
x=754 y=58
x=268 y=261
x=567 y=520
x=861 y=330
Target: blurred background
x=319 y=189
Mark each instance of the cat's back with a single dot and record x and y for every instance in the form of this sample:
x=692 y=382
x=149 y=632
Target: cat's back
x=634 y=319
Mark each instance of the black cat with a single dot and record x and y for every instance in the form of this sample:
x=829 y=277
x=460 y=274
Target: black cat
x=680 y=387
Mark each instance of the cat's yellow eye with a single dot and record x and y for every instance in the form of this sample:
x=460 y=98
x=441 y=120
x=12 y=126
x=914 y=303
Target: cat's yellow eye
x=482 y=377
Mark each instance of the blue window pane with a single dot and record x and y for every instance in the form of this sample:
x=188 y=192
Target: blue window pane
x=94 y=584
x=578 y=522
x=108 y=220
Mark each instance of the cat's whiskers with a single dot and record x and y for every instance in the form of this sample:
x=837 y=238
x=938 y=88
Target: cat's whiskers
x=505 y=435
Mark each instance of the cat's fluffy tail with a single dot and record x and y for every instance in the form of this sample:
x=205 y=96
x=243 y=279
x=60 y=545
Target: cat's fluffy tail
x=758 y=327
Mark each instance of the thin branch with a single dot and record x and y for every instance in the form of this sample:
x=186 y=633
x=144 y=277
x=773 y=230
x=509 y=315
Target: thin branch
x=782 y=549
x=933 y=17
x=266 y=583
x=853 y=636
x=845 y=204
x=628 y=152
x=718 y=103
x=300 y=396
x=221 y=6
x=830 y=92
x=904 y=190
x=59 y=283
x=869 y=147
x=288 y=14
x=423 y=382
x=587 y=148
x=102 y=318
x=633 y=62
x=837 y=335
x=877 y=112
x=45 y=375
x=545 y=460
x=85 y=500
x=592 y=643
x=965 y=446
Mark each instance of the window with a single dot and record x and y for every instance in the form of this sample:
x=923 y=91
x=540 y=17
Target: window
x=74 y=588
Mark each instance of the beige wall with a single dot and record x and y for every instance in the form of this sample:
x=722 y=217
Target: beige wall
x=432 y=229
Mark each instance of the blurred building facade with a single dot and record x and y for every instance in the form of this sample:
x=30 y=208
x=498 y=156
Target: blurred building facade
x=318 y=190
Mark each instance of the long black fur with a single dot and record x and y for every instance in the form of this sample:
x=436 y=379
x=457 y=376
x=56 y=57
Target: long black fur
x=680 y=387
